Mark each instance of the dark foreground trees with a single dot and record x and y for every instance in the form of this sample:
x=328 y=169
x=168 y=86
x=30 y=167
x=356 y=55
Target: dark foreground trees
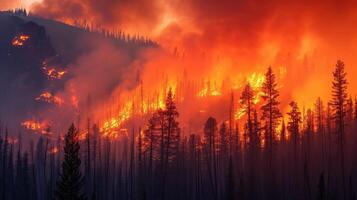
x=70 y=185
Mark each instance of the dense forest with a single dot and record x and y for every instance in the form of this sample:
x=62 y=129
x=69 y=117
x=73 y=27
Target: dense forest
x=310 y=154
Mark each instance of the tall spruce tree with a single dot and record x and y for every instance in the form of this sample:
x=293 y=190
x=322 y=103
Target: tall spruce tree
x=210 y=148
x=294 y=121
x=319 y=111
x=270 y=111
x=339 y=106
x=70 y=184
x=247 y=102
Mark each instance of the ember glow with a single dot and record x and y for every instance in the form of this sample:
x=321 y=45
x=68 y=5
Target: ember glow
x=20 y=40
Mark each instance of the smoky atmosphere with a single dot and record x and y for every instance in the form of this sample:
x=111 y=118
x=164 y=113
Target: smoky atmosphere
x=178 y=100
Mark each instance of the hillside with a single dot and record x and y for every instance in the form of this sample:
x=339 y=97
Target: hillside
x=34 y=52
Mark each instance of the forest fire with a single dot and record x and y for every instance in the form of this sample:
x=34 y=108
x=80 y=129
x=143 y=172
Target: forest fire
x=200 y=99
x=52 y=72
x=50 y=98
x=37 y=127
x=20 y=40
x=210 y=90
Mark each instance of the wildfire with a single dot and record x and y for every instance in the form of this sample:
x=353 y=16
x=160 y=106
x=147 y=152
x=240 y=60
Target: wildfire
x=39 y=127
x=52 y=72
x=49 y=98
x=210 y=90
x=112 y=126
x=256 y=81
x=20 y=40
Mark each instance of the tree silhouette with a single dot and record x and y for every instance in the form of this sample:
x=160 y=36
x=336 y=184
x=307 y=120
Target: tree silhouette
x=294 y=123
x=170 y=136
x=71 y=180
x=319 y=111
x=338 y=105
x=210 y=147
x=270 y=110
x=247 y=102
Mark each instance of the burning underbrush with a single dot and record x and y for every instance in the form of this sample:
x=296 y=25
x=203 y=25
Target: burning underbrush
x=52 y=72
x=20 y=40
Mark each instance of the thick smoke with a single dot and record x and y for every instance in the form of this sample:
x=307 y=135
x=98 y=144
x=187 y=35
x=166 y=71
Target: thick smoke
x=239 y=34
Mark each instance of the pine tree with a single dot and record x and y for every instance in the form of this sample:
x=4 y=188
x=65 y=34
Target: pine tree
x=349 y=111
x=294 y=119
x=71 y=181
x=256 y=129
x=319 y=110
x=283 y=131
x=293 y=128
x=355 y=112
x=271 y=113
x=170 y=137
x=246 y=101
x=339 y=104
x=210 y=132
x=223 y=142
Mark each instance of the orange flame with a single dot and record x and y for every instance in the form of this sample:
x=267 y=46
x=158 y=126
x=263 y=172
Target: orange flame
x=20 y=40
x=36 y=126
x=49 y=98
x=256 y=81
x=210 y=90
x=52 y=72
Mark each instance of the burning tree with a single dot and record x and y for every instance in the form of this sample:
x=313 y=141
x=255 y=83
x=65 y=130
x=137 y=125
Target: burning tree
x=71 y=180
x=294 y=123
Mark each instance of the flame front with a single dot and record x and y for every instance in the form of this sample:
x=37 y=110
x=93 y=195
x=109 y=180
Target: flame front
x=256 y=81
